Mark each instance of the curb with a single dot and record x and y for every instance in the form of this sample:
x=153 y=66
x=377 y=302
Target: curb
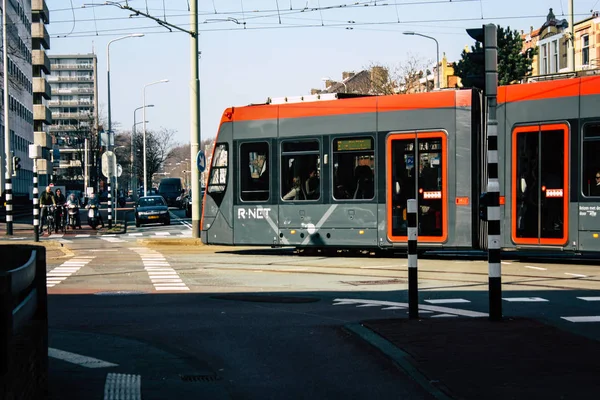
x=399 y=357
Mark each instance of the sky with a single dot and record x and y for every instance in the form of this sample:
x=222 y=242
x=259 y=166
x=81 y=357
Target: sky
x=255 y=49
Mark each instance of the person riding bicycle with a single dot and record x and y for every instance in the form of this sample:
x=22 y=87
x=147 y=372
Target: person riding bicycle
x=94 y=201
x=73 y=200
x=47 y=199
x=60 y=204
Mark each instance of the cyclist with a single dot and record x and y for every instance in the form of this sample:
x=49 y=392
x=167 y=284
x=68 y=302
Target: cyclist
x=60 y=209
x=73 y=200
x=46 y=200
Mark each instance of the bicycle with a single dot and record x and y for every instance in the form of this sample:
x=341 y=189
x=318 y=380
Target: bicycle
x=50 y=222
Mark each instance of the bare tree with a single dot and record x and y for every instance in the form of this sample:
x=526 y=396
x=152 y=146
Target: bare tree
x=158 y=145
x=400 y=78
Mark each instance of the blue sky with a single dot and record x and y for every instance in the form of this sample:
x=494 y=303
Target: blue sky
x=247 y=63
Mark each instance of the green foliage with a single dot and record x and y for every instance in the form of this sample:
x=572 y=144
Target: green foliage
x=513 y=64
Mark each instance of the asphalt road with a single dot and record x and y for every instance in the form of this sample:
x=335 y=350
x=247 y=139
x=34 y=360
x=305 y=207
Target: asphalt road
x=212 y=322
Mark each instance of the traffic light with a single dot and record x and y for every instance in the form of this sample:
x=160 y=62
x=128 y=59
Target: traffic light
x=16 y=165
x=476 y=75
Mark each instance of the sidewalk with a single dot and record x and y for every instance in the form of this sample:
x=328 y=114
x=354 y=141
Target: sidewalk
x=479 y=359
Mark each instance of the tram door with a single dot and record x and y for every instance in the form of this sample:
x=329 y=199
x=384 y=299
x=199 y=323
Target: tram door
x=417 y=170
x=540 y=184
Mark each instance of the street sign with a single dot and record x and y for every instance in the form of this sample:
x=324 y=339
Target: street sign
x=201 y=161
x=119 y=170
x=109 y=164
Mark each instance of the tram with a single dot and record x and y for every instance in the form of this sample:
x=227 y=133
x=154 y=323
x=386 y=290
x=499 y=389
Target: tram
x=337 y=173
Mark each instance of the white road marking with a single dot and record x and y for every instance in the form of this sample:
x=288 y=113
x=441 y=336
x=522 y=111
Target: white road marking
x=123 y=387
x=65 y=270
x=443 y=315
x=160 y=272
x=109 y=235
x=506 y=262
x=589 y=298
x=136 y=234
x=162 y=233
x=576 y=275
x=538 y=268
x=524 y=299
x=447 y=301
x=594 y=318
x=384 y=266
x=112 y=239
x=84 y=361
x=446 y=310
x=82 y=235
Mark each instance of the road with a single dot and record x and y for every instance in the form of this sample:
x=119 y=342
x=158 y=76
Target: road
x=220 y=322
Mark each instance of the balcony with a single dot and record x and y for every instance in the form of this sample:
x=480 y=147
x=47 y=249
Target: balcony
x=70 y=67
x=42 y=113
x=39 y=35
x=42 y=139
x=72 y=115
x=41 y=86
x=70 y=103
x=40 y=7
x=40 y=59
x=72 y=90
x=76 y=78
x=63 y=128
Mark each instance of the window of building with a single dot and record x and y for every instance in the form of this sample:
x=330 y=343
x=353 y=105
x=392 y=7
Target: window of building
x=591 y=164
x=585 y=50
x=218 y=172
x=354 y=168
x=544 y=66
x=300 y=170
x=254 y=171
x=555 y=65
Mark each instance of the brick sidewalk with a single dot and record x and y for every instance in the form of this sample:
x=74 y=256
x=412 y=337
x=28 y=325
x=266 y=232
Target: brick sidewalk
x=513 y=359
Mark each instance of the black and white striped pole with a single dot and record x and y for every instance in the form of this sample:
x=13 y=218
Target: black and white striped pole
x=413 y=285
x=9 y=209
x=109 y=203
x=36 y=203
x=493 y=184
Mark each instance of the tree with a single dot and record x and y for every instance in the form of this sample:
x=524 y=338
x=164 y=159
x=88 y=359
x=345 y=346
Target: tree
x=513 y=63
x=158 y=145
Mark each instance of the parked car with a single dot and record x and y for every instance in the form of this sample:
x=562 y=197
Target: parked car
x=151 y=210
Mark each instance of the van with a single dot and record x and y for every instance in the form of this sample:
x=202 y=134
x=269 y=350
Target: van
x=170 y=189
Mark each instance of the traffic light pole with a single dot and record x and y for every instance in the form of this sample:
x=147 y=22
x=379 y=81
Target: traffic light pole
x=7 y=147
x=493 y=184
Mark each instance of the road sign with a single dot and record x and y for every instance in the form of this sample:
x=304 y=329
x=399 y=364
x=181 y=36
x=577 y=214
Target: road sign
x=201 y=161
x=119 y=170
x=109 y=164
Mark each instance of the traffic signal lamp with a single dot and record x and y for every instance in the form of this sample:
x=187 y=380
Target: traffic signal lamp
x=16 y=165
x=476 y=76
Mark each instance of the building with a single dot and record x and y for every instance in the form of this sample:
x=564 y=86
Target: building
x=552 y=43
x=74 y=108
x=373 y=81
x=27 y=38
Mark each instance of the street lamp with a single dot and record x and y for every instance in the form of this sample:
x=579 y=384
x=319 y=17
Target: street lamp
x=132 y=159
x=326 y=78
x=437 y=53
x=144 y=119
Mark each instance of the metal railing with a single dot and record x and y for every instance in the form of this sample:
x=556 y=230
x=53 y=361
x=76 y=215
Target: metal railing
x=71 y=66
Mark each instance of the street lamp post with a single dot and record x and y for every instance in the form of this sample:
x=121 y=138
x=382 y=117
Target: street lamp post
x=132 y=158
x=144 y=129
x=437 y=52
x=110 y=136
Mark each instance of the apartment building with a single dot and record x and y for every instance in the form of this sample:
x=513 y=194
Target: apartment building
x=74 y=108
x=27 y=39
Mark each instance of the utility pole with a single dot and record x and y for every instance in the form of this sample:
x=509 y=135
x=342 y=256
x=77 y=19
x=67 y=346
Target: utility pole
x=7 y=157
x=571 y=53
x=195 y=135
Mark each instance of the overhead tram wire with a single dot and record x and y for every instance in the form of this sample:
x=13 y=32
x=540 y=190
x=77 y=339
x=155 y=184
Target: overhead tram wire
x=274 y=13
x=306 y=26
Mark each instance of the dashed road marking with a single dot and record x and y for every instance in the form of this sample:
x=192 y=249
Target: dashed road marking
x=538 y=268
x=65 y=270
x=576 y=275
x=162 y=275
x=589 y=298
x=84 y=361
x=524 y=299
x=162 y=233
x=112 y=239
x=123 y=387
x=136 y=234
x=446 y=301
x=444 y=315
x=592 y=318
x=425 y=307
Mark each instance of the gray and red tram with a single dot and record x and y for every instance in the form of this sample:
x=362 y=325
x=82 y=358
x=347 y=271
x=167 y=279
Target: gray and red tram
x=337 y=173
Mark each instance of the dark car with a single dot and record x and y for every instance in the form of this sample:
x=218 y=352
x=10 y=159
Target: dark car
x=171 y=190
x=151 y=210
x=188 y=204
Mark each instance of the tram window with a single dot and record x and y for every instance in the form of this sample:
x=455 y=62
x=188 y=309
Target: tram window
x=354 y=168
x=254 y=171
x=591 y=163
x=300 y=170
x=218 y=171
